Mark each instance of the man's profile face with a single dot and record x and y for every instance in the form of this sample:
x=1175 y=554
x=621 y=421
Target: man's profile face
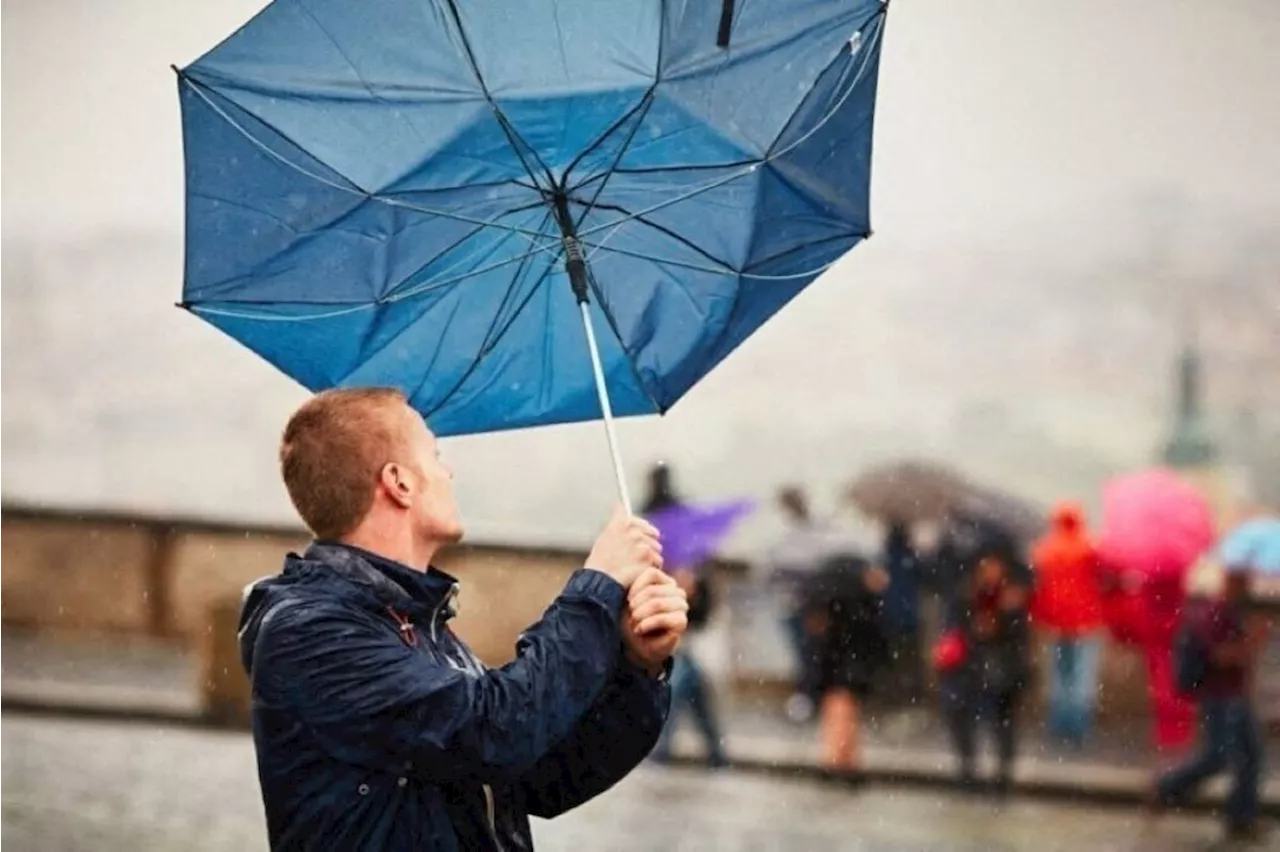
x=434 y=510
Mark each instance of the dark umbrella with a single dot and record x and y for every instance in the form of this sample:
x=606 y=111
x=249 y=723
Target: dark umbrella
x=1017 y=518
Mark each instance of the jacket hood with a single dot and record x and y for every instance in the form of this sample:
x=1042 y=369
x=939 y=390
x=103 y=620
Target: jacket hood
x=1068 y=518
x=342 y=572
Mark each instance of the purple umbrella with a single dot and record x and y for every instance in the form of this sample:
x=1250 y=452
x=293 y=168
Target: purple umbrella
x=691 y=534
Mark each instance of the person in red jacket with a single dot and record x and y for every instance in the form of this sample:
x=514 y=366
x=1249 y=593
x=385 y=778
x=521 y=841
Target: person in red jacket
x=1068 y=606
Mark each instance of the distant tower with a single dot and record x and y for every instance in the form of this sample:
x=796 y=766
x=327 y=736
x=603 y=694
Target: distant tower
x=1191 y=449
x=1190 y=444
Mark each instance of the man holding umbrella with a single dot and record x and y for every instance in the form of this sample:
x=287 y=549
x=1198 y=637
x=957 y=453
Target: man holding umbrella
x=375 y=726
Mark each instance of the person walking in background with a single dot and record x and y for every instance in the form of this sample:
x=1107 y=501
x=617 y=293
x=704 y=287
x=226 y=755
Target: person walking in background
x=1067 y=606
x=790 y=564
x=985 y=669
x=841 y=607
x=1218 y=649
x=902 y=613
x=689 y=688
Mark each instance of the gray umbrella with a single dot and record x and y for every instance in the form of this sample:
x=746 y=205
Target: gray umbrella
x=909 y=491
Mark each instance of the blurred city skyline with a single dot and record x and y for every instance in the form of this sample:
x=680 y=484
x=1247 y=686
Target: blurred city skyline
x=1058 y=190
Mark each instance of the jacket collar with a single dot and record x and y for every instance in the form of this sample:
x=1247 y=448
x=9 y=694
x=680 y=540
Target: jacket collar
x=429 y=594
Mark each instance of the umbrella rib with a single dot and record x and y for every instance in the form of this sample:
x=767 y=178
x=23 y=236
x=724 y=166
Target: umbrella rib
x=552 y=245
x=513 y=137
x=440 y=342
x=252 y=273
x=522 y=260
x=198 y=307
x=645 y=101
x=617 y=208
x=707 y=187
x=473 y=232
x=353 y=189
x=354 y=70
x=866 y=50
x=622 y=150
x=597 y=247
x=491 y=339
x=852 y=235
x=691 y=167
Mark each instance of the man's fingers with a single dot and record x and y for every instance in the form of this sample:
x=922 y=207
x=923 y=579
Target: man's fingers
x=654 y=589
x=662 y=621
x=649 y=577
x=642 y=527
x=652 y=555
x=656 y=605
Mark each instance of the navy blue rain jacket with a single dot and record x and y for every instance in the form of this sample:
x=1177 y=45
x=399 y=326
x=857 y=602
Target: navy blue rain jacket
x=376 y=727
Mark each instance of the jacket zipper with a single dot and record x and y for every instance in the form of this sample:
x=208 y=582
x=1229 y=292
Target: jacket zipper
x=490 y=804
x=491 y=812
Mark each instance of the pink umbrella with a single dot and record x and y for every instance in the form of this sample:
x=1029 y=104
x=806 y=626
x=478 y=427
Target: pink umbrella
x=1154 y=527
x=1154 y=524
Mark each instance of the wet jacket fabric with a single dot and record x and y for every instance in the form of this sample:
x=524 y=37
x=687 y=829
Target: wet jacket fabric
x=1068 y=596
x=377 y=728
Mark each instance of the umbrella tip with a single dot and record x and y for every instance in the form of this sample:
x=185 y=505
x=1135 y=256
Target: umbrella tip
x=175 y=69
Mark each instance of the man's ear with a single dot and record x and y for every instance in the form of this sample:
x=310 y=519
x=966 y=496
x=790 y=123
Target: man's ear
x=395 y=484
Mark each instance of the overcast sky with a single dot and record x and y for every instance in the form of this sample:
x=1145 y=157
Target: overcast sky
x=1015 y=138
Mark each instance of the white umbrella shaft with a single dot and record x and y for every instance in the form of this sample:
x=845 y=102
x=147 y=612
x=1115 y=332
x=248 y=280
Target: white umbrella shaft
x=606 y=409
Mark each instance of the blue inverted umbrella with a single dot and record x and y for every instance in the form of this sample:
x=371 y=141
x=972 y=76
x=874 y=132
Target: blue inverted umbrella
x=459 y=198
x=1253 y=546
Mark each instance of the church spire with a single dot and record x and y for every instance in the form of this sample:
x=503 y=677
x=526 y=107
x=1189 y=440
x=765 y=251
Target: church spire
x=1190 y=443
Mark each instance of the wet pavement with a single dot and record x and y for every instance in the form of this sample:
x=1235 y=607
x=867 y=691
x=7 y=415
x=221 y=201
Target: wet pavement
x=107 y=786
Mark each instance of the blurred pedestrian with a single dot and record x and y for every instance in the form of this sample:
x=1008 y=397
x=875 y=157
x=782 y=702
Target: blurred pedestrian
x=689 y=687
x=985 y=670
x=790 y=563
x=841 y=607
x=1217 y=653
x=902 y=613
x=1067 y=608
x=966 y=538
x=375 y=726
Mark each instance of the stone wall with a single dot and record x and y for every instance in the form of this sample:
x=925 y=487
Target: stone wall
x=63 y=575
x=107 y=574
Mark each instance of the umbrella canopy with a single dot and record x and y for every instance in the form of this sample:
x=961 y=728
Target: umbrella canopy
x=436 y=196
x=692 y=534
x=909 y=491
x=1154 y=524
x=1019 y=519
x=1253 y=546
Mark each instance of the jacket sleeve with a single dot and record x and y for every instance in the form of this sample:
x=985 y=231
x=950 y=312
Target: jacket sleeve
x=618 y=732
x=372 y=700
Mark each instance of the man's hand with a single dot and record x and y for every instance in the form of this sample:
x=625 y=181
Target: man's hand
x=655 y=620
x=627 y=547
